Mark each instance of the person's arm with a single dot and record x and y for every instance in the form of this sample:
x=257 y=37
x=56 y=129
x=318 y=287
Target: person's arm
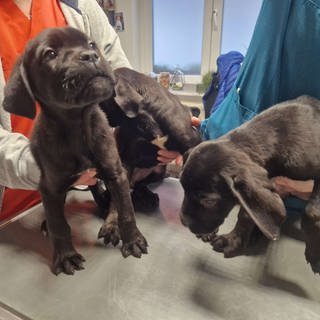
x=18 y=167
x=96 y=25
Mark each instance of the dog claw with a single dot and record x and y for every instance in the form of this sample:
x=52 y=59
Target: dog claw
x=135 y=249
x=207 y=237
x=128 y=250
x=230 y=245
x=110 y=238
x=68 y=263
x=110 y=233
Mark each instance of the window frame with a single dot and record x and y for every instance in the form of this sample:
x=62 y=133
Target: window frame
x=211 y=40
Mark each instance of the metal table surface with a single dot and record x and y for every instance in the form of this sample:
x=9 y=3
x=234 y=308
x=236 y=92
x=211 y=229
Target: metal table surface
x=180 y=278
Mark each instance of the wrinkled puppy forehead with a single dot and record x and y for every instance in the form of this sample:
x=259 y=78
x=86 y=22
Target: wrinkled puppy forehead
x=207 y=157
x=203 y=164
x=56 y=38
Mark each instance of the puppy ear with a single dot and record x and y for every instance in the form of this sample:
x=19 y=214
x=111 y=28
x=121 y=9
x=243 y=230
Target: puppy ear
x=114 y=114
x=18 y=97
x=127 y=98
x=264 y=206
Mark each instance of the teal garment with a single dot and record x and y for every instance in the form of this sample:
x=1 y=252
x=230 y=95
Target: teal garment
x=282 y=62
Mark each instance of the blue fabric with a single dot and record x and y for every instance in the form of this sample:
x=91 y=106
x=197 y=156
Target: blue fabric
x=73 y=4
x=282 y=62
x=228 y=68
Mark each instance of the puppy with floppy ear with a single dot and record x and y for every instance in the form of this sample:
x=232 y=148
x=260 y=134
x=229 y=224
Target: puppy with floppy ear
x=65 y=72
x=231 y=178
x=237 y=169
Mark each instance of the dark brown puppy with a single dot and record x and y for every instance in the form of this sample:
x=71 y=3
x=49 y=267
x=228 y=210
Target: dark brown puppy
x=236 y=168
x=65 y=72
x=147 y=117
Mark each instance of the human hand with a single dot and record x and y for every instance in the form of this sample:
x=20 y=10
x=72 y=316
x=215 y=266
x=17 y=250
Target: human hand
x=195 y=121
x=87 y=178
x=166 y=156
x=300 y=189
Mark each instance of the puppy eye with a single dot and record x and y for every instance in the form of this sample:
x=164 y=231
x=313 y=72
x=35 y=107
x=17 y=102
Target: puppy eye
x=210 y=200
x=51 y=54
x=92 y=45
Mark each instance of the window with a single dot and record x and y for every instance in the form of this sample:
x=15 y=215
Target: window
x=186 y=33
x=203 y=20
x=237 y=16
x=177 y=35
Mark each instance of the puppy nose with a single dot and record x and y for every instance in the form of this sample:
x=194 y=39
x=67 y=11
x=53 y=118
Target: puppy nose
x=89 y=56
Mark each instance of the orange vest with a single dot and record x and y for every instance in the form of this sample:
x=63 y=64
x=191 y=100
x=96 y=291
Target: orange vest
x=15 y=31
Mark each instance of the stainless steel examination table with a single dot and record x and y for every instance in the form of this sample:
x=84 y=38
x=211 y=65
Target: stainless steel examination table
x=180 y=278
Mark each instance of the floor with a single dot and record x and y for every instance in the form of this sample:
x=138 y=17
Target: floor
x=180 y=278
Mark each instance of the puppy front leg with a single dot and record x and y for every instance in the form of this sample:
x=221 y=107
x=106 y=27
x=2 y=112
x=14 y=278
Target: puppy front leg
x=311 y=227
x=133 y=242
x=65 y=257
x=234 y=242
x=106 y=159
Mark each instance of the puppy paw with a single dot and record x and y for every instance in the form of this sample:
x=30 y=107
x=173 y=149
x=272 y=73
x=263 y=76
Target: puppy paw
x=313 y=257
x=207 y=237
x=110 y=234
x=230 y=244
x=67 y=262
x=315 y=267
x=136 y=245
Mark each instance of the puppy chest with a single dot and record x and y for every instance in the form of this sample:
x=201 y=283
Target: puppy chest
x=67 y=151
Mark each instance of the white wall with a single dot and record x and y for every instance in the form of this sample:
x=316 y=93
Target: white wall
x=133 y=10
x=128 y=35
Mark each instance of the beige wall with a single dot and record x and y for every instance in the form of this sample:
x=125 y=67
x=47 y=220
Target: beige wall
x=130 y=38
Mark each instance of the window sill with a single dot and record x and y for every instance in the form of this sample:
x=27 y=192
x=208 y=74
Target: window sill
x=188 y=93
x=190 y=98
x=185 y=92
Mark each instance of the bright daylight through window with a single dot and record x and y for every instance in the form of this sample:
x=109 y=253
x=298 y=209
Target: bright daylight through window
x=177 y=35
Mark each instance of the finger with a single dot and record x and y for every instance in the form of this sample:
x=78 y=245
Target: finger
x=179 y=160
x=164 y=160
x=91 y=182
x=168 y=153
x=195 y=121
x=90 y=172
x=85 y=180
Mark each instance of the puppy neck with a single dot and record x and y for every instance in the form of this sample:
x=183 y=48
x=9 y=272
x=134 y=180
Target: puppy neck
x=60 y=116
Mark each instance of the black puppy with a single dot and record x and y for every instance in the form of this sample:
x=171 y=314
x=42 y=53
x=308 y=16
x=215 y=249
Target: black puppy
x=65 y=72
x=147 y=117
x=236 y=168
